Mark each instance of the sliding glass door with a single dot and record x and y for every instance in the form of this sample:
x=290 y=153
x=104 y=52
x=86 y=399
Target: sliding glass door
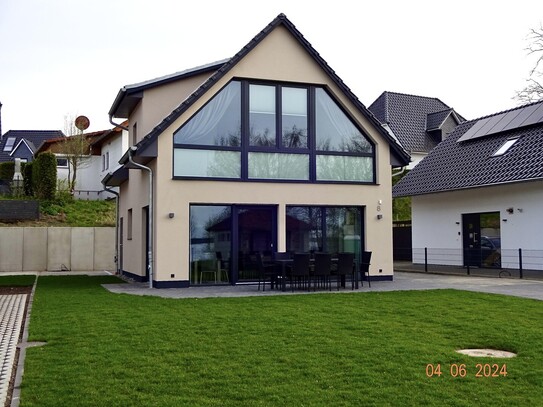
x=224 y=240
x=321 y=228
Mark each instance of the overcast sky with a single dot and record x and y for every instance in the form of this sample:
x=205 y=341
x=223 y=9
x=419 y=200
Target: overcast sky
x=70 y=57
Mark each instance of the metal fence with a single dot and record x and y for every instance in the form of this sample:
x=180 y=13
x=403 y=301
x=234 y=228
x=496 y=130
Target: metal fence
x=521 y=263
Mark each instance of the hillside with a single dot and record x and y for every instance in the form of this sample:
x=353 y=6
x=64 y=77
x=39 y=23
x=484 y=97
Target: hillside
x=72 y=213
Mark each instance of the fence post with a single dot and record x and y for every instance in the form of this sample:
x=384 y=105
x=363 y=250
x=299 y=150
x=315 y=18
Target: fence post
x=426 y=259
x=520 y=262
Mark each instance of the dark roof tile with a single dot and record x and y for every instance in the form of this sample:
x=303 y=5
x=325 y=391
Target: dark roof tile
x=407 y=116
x=456 y=165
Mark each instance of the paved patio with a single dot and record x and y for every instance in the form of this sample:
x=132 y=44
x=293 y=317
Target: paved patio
x=402 y=281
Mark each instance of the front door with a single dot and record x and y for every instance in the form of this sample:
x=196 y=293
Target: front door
x=482 y=239
x=255 y=228
x=471 y=224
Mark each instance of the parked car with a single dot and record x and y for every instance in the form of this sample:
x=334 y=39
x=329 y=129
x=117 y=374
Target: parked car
x=491 y=251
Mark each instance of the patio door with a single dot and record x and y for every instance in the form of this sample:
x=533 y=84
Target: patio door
x=255 y=230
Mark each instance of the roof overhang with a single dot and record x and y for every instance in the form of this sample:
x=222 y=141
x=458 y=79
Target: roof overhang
x=116 y=178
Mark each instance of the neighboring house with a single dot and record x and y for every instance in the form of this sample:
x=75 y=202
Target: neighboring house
x=419 y=123
x=23 y=144
x=270 y=134
x=110 y=147
x=477 y=197
x=105 y=149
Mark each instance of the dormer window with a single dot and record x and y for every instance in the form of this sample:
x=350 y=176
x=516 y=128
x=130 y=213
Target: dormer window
x=505 y=147
x=10 y=142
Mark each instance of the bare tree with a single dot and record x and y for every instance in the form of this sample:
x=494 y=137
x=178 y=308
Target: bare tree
x=76 y=148
x=534 y=89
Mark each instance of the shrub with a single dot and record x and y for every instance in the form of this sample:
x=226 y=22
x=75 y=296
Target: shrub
x=7 y=170
x=44 y=176
x=27 y=179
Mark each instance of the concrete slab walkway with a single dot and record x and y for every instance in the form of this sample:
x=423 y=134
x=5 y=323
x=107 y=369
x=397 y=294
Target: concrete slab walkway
x=402 y=281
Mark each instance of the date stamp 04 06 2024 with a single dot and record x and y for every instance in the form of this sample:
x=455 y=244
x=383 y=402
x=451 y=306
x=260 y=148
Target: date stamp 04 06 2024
x=461 y=370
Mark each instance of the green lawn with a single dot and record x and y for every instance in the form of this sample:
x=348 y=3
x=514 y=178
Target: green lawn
x=361 y=349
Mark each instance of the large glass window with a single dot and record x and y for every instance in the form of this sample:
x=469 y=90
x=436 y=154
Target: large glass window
x=278 y=166
x=262 y=115
x=294 y=117
x=269 y=131
x=218 y=123
x=207 y=163
x=344 y=168
x=329 y=229
x=210 y=243
x=334 y=130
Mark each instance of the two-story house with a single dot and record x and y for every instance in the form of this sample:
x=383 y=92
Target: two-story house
x=266 y=151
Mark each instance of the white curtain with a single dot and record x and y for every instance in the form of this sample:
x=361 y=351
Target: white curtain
x=199 y=129
x=334 y=129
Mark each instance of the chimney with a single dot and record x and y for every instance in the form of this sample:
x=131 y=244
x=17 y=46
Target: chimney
x=1 y=135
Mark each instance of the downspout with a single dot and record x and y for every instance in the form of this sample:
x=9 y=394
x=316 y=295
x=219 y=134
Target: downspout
x=117 y=243
x=400 y=172
x=131 y=150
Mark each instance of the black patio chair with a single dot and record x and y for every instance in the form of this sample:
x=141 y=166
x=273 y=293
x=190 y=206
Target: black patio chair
x=323 y=269
x=345 y=267
x=299 y=271
x=265 y=272
x=365 y=267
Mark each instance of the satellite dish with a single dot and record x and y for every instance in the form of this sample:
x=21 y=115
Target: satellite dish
x=82 y=122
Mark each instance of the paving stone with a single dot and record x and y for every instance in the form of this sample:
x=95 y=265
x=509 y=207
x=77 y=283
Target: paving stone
x=11 y=319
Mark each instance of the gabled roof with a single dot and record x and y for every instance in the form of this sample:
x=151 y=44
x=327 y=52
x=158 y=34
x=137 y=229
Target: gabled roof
x=33 y=138
x=224 y=66
x=410 y=117
x=23 y=143
x=456 y=164
x=130 y=95
x=54 y=144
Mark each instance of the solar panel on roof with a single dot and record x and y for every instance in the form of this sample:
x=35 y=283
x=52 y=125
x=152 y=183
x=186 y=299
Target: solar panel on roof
x=513 y=119
x=535 y=117
x=505 y=120
x=473 y=130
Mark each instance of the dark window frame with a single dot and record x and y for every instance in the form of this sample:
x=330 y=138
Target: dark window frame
x=310 y=151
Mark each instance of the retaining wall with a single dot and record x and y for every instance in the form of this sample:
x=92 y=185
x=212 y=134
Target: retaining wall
x=54 y=249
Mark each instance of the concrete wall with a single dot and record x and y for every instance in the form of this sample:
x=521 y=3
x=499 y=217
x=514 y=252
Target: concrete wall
x=51 y=249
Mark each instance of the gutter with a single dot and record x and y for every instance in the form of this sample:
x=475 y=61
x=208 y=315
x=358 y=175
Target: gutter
x=117 y=125
x=131 y=151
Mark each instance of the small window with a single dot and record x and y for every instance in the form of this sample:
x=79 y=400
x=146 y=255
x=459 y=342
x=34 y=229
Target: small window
x=505 y=147
x=10 y=142
x=62 y=162
x=135 y=134
x=129 y=225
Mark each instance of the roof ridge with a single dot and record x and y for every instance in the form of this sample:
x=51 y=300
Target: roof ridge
x=504 y=111
x=280 y=19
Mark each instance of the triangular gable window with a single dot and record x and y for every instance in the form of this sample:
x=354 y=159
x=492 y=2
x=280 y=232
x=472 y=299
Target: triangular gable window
x=273 y=131
x=218 y=123
x=335 y=131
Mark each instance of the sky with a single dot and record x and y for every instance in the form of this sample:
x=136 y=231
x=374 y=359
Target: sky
x=63 y=58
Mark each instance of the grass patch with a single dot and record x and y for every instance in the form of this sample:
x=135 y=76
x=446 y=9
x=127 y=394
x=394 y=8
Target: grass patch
x=368 y=349
x=72 y=212
x=17 y=280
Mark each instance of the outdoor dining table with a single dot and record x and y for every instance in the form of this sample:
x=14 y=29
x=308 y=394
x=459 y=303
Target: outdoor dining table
x=285 y=262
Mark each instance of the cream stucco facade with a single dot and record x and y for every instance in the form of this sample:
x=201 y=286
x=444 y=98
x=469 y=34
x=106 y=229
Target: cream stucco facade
x=281 y=57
